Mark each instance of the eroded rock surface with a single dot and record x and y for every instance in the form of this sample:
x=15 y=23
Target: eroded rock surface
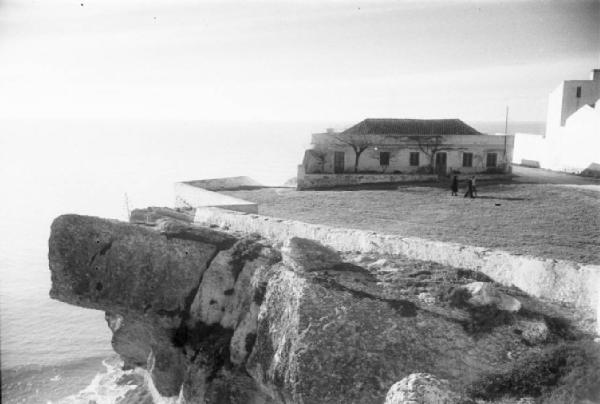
x=104 y=264
x=309 y=255
x=484 y=294
x=422 y=388
x=228 y=318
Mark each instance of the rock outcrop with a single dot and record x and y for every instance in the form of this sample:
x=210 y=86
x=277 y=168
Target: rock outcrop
x=225 y=318
x=484 y=294
x=308 y=255
x=422 y=388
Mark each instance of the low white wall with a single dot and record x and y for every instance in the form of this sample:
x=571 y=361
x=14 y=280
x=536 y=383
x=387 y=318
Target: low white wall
x=529 y=147
x=189 y=196
x=221 y=184
x=312 y=181
x=547 y=278
x=530 y=163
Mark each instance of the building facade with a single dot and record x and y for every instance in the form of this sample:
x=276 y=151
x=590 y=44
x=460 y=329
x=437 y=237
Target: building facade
x=572 y=139
x=408 y=146
x=569 y=97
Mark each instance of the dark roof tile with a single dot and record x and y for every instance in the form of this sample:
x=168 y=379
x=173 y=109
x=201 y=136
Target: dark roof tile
x=411 y=127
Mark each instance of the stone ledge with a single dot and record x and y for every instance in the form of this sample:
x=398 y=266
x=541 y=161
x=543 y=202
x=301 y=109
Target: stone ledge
x=558 y=280
x=221 y=184
x=188 y=195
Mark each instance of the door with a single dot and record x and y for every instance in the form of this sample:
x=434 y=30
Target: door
x=338 y=162
x=440 y=162
x=491 y=160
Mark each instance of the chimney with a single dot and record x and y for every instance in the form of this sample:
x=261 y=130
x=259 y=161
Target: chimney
x=595 y=75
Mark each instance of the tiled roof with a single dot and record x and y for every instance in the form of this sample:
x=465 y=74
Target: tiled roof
x=411 y=127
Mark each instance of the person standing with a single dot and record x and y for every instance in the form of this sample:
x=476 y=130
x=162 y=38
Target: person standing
x=469 y=192
x=474 y=186
x=454 y=186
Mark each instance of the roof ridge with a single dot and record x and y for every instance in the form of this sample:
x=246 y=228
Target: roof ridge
x=417 y=126
x=411 y=119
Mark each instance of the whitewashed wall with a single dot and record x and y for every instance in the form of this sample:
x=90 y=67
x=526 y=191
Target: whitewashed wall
x=400 y=148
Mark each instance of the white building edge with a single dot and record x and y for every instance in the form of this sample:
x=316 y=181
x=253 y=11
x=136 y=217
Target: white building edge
x=572 y=139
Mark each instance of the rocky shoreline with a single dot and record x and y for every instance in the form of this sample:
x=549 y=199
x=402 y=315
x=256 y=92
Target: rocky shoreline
x=220 y=317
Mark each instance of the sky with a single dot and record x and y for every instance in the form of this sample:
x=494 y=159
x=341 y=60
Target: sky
x=290 y=60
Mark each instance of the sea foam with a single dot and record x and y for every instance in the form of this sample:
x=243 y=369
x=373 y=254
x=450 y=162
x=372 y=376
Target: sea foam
x=108 y=387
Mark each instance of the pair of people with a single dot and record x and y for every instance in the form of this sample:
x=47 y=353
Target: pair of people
x=471 y=188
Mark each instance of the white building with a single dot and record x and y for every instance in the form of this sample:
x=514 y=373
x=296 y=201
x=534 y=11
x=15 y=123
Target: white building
x=572 y=139
x=569 y=97
x=398 y=149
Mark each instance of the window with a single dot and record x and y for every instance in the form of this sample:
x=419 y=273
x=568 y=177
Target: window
x=414 y=158
x=578 y=91
x=491 y=160
x=384 y=158
x=467 y=159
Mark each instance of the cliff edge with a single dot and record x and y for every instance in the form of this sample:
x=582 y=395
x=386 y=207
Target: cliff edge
x=216 y=317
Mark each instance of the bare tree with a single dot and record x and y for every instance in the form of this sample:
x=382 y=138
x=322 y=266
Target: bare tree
x=429 y=144
x=359 y=144
x=319 y=156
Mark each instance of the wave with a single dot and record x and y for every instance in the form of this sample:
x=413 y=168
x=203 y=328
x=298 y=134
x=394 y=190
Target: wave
x=117 y=386
x=111 y=386
x=40 y=383
x=69 y=383
x=90 y=380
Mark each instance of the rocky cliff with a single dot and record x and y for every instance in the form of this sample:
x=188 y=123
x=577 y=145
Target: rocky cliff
x=225 y=318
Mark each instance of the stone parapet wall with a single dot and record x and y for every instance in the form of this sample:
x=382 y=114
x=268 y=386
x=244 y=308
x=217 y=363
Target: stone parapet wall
x=191 y=196
x=312 y=181
x=485 y=177
x=307 y=181
x=220 y=184
x=559 y=280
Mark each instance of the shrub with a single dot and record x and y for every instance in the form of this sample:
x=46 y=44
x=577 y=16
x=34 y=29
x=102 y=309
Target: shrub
x=564 y=373
x=494 y=170
x=482 y=319
x=560 y=328
x=424 y=170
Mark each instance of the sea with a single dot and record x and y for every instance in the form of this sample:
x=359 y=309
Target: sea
x=51 y=352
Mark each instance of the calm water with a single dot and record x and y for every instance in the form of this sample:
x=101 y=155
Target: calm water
x=53 y=352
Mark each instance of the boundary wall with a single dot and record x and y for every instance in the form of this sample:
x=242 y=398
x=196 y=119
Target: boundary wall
x=191 y=196
x=315 y=181
x=308 y=181
x=225 y=183
x=557 y=280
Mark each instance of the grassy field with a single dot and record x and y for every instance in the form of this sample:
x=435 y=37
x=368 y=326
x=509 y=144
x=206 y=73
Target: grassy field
x=546 y=220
